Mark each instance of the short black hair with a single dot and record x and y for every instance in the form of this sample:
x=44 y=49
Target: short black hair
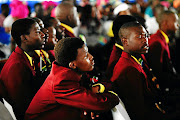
x=21 y=27
x=66 y=50
x=118 y=22
x=4 y=6
x=36 y=19
x=164 y=16
x=48 y=21
x=123 y=30
x=37 y=4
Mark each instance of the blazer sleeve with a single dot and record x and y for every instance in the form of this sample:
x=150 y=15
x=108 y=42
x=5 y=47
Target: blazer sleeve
x=70 y=93
x=19 y=86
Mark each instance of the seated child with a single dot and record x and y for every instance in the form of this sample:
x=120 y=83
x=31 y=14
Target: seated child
x=18 y=74
x=62 y=95
x=51 y=40
x=129 y=79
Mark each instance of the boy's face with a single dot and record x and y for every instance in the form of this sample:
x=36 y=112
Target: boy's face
x=84 y=60
x=52 y=40
x=75 y=18
x=36 y=38
x=44 y=30
x=59 y=30
x=173 y=24
x=138 y=40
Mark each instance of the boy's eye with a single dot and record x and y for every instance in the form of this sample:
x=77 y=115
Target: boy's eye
x=144 y=36
x=86 y=56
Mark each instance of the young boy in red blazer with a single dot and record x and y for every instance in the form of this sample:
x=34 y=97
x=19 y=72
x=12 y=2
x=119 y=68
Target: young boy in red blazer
x=129 y=78
x=62 y=95
x=18 y=74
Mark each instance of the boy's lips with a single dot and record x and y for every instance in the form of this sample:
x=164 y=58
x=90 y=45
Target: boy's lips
x=92 y=63
x=146 y=46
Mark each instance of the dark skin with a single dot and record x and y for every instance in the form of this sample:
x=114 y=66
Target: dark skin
x=44 y=30
x=59 y=30
x=169 y=24
x=132 y=42
x=33 y=41
x=67 y=14
x=84 y=62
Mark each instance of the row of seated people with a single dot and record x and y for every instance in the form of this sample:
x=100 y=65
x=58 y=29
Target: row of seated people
x=133 y=81
x=32 y=71
x=25 y=79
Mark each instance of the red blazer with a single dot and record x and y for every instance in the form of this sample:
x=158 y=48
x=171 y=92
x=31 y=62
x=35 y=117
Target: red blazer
x=158 y=58
x=114 y=57
x=19 y=81
x=130 y=82
x=62 y=97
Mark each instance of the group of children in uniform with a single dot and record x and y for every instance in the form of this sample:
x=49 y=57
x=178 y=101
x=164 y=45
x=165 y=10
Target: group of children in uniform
x=38 y=92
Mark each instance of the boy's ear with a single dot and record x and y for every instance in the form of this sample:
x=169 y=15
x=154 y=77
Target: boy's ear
x=69 y=17
x=23 y=38
x=72 y=65
x=124 y=41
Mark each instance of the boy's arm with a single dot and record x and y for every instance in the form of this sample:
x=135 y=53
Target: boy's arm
x=72 y=94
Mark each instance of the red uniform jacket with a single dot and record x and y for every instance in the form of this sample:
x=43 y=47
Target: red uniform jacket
x=114 y=57
x=130 y=82
x=18 y=78
x=62 y=97
x=158 y=58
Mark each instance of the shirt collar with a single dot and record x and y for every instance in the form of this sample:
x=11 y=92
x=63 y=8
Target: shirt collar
x=165 y=36
x=44 y=52
x=70 y=29
x=29 y=58
x=139 y=61
x=119 y=46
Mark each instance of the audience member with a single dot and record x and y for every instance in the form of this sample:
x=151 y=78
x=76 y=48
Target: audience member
x=39 y=11
x=48 y=7
x=117 y=47
x=91 y=26
x=41 y=58
x=122 y=9
x=18 y=10
x=129 y=79
x=151 y=23
x=67 y=14
x=159 y=57
x=62 y=95
x=57 y=25
x=52 y=40
x=149 y=10
x=4 y=13
x=135 y=9
x=18 y=75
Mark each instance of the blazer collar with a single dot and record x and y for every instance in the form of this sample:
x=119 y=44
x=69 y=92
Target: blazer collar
x=18 y=50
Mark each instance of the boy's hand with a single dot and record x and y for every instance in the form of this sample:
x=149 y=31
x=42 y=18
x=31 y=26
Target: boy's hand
x=95 y=89
x=93 y=115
